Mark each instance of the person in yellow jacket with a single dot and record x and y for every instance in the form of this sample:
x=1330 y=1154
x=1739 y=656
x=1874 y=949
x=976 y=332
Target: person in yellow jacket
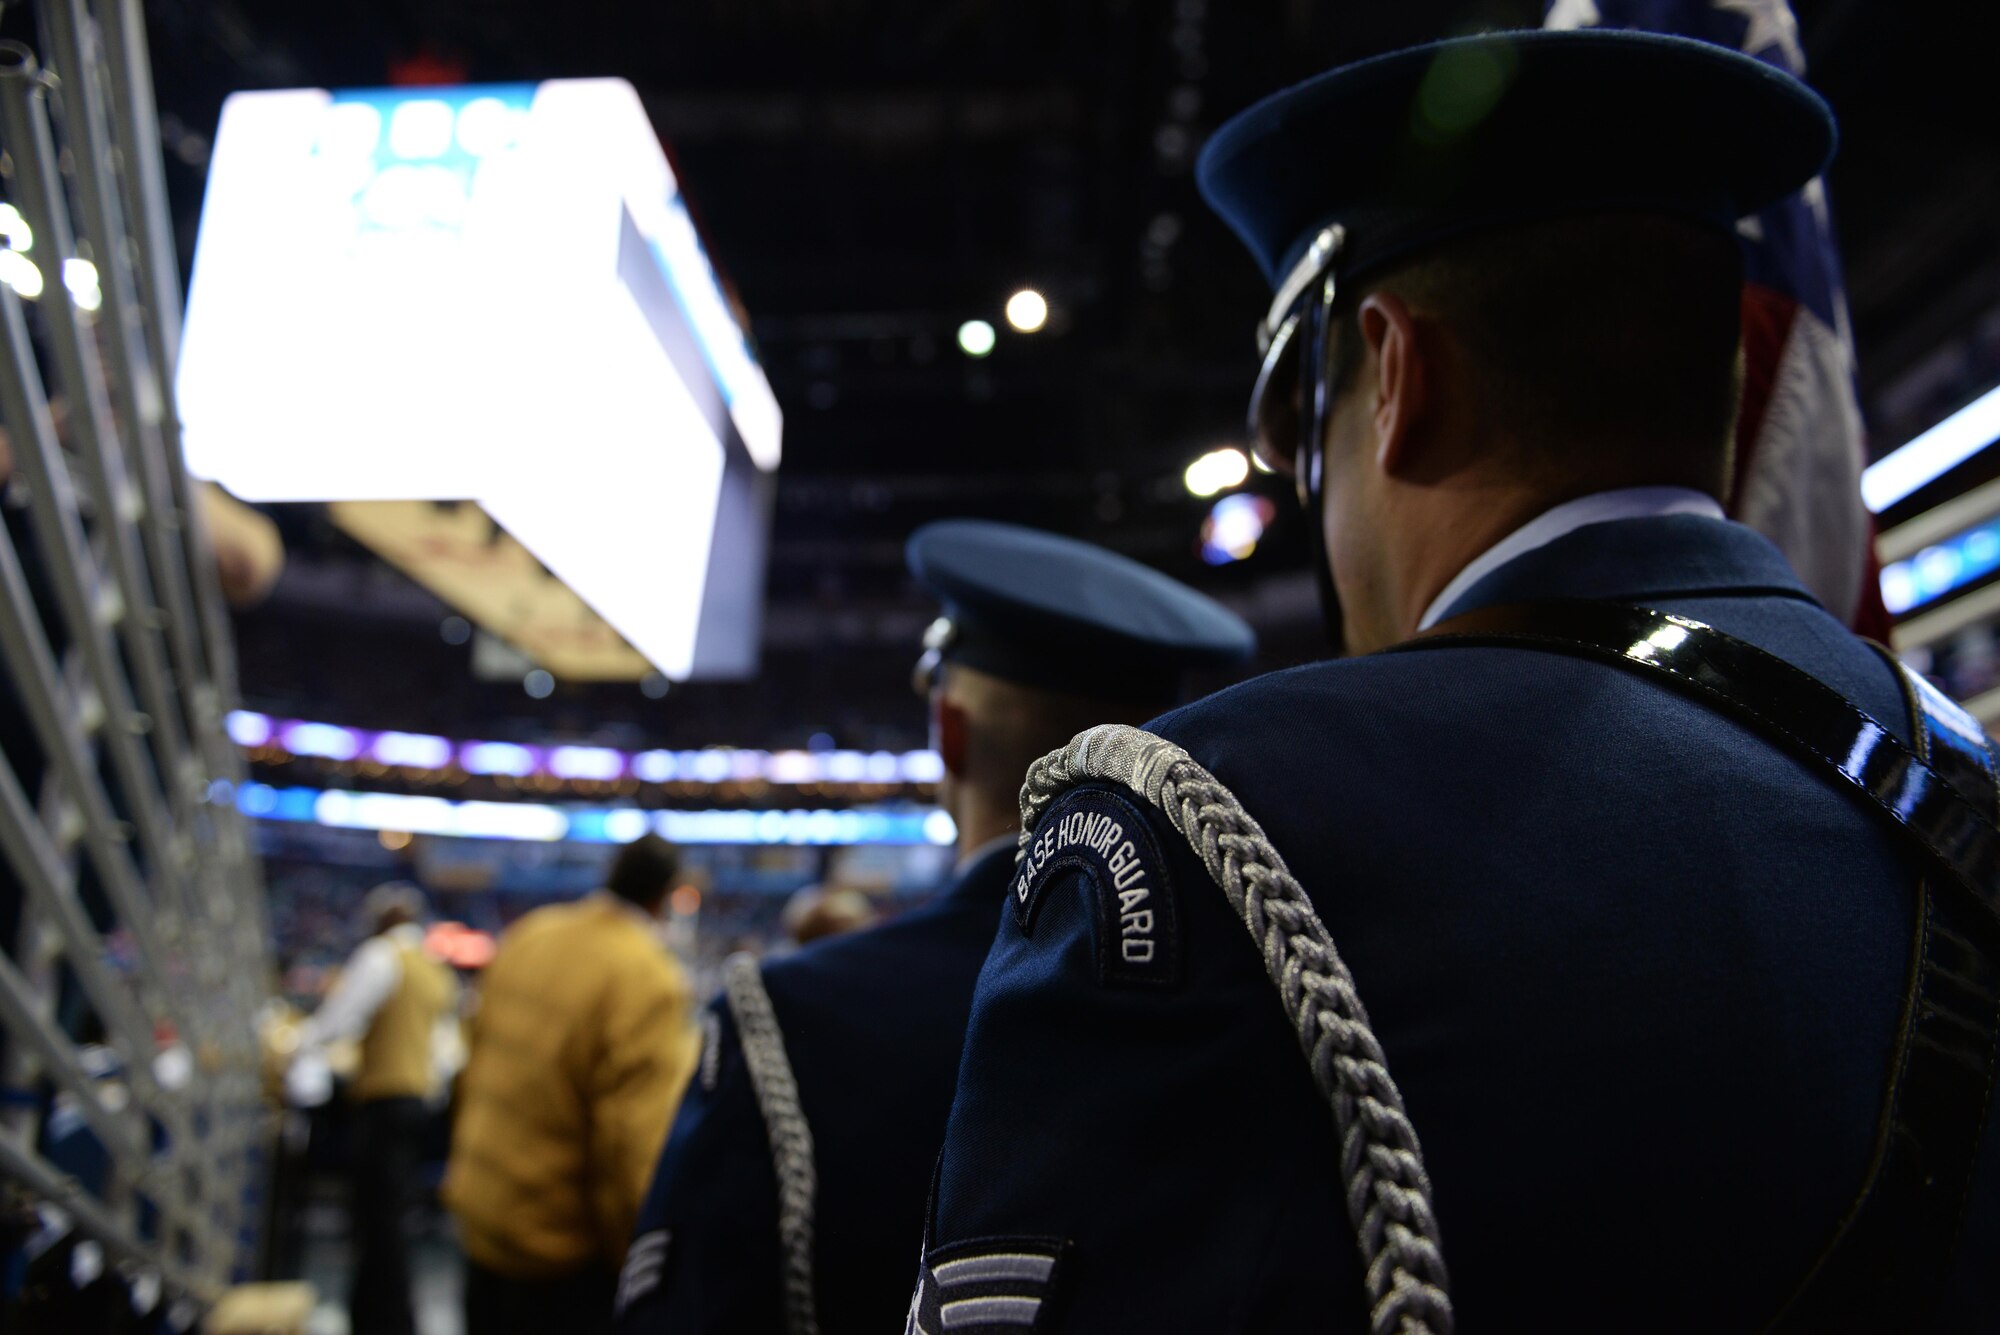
x=391 y=996
x=579 y=1047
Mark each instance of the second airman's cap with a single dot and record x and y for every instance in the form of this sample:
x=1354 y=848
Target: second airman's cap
x=1058 y=614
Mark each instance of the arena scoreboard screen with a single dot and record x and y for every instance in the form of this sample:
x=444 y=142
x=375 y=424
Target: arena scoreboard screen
x=496 y=295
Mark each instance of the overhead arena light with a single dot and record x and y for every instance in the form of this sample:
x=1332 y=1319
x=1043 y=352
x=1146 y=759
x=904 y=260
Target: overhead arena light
x=586 y=762
x=1027 y=311
x=19 y=272
x=410 y=748
x=536 y=822
x=1234 y=528
x=1217 y=471
x=1932 y=454
x=719 y=764
x=80 y=277
x=495 y=295
x=323 y=740
x=247 y=729
x=498 y=758
x=976 y=338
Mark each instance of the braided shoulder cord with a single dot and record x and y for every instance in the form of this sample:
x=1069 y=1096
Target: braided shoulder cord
x=710 y=1070
x=785 y=1126
x=1388 y=1191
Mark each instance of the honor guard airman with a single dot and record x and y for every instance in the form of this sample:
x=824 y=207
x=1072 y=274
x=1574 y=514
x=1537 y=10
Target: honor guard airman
x=1609 y=943
x=791 y=1191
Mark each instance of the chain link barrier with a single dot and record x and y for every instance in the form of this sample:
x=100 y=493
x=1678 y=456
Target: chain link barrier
x=133 y=942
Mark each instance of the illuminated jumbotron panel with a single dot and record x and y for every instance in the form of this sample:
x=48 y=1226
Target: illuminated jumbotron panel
x=493 y=294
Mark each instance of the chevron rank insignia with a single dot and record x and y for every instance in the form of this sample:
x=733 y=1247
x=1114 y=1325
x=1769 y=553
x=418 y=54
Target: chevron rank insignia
x=644 y=1264
x=1106 y=837
x=992 y=1286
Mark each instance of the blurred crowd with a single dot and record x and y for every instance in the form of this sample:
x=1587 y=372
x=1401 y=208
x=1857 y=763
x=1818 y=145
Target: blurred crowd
x=330 y=1043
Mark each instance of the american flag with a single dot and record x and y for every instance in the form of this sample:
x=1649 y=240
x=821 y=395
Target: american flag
x=1799 y=445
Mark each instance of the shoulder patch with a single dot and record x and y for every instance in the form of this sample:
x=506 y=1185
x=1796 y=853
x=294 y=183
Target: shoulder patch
x=1106 y=836
x=990 y=1286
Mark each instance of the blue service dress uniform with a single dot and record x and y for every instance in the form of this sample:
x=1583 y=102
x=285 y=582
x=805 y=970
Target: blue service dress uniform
x=871 y=1024
x=1640 y=967
x=883 y=1009
x=1637 y=972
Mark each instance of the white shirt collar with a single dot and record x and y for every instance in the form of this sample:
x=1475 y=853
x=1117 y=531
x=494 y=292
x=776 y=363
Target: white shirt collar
x=1565 y=519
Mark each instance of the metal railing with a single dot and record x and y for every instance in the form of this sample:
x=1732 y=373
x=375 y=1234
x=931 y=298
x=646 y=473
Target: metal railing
x=141 y=918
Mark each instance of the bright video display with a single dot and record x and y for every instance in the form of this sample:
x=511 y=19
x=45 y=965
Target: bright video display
x=492 y=294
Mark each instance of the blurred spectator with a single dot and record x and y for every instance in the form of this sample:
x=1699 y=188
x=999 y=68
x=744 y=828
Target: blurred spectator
x=822 y=911
x=249 y=554
x=390 y=997
x=581 y=1043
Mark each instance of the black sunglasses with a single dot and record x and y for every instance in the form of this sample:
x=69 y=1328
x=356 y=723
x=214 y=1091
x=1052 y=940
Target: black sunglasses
x=1293 y=395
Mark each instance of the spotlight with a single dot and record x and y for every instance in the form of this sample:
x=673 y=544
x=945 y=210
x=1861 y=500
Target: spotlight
x=1027 y=310
x=14 y=229
x=1234 y=527
x=19 y=272
x=1902 y=471
x=80 y=277
x=1217 y=471
x=975 y=338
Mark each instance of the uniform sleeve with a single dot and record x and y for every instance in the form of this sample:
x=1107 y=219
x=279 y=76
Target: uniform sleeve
x=646 y=1055
x=1132 y=1101
x=706 y=1256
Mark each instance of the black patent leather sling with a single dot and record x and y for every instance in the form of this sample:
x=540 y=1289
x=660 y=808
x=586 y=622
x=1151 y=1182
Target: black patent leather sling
x=1885 y=1266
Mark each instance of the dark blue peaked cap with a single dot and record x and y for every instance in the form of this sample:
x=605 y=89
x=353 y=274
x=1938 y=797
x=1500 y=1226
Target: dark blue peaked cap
x=1063 y=615
x=1414 y=147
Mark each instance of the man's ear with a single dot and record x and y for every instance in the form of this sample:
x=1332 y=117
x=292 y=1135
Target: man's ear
x=1403 y=376
x=948 y=725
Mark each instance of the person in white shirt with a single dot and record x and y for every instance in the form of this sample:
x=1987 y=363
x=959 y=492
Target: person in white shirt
x=391 y=998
